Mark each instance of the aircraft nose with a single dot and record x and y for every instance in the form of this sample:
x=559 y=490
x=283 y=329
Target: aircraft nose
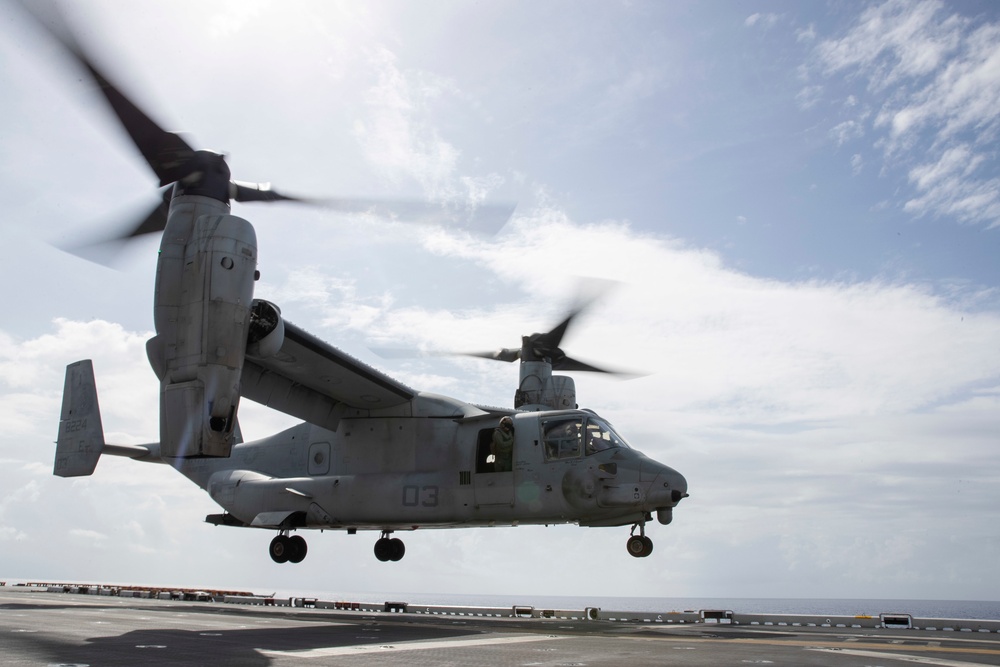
x=673 y=480
x=668 y=489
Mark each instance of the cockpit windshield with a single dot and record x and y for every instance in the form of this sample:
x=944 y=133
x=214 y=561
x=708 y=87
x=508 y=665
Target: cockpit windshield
x=567 y=436
x=601 y=436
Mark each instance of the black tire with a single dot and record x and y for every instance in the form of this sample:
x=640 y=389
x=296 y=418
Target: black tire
x=396 y=549
x=297 y=549
x=648 y=543
x=383 y=549
x=280 y=549
x=636 y=546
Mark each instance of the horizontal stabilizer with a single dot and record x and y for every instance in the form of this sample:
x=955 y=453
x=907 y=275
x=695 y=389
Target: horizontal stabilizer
x=81 y=435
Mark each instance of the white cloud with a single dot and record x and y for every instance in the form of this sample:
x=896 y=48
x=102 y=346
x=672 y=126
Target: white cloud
x=809 y=96
x=396 y=136
x=935 y=77
x=857 y=163
x=846 y=131
x=893 y=40
x=951 y=186
x=89 y=536
x=767 y=20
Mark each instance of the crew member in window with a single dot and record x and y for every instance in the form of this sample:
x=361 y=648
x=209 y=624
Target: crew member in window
x=502 y=447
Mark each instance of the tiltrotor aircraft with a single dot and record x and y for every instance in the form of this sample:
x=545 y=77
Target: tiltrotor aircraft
x=371 y=453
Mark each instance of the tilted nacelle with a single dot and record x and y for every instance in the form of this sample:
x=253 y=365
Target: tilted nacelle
x=203 y=312
x=539 y=389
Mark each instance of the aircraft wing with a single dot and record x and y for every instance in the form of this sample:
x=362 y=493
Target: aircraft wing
x=310 y=379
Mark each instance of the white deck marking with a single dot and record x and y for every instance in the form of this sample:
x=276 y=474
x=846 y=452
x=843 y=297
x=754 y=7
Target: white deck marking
x=902 y=657
x=359 y=649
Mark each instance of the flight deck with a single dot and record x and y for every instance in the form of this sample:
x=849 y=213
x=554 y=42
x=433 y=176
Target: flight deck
x=47 y=626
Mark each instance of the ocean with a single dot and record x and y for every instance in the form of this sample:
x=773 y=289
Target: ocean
x=967 y=609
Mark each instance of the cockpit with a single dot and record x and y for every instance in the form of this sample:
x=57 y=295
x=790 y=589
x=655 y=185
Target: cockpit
x=569 y=436
x=564 y=436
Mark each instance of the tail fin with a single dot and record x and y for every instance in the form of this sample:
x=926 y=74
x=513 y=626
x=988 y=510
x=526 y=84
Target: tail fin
x=81 y=435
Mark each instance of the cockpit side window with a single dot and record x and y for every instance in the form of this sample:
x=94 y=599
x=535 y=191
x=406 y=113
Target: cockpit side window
x=600 y=436
x=563 y=437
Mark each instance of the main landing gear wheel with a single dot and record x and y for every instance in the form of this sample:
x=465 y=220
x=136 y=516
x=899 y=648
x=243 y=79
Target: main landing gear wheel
x=288 y=549
x=389 y=549
x=299 y=549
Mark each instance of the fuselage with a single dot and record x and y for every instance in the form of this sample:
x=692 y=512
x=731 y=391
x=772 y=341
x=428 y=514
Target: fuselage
x=410 y=472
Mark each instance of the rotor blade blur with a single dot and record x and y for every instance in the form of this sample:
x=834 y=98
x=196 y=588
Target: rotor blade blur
x=412 y=353
x=505 y=354
x=570 y=364
x=262 y=192
x=555 y=336
x=166 y=153
x=156 y=221
x=589 y=291
x=106 y=248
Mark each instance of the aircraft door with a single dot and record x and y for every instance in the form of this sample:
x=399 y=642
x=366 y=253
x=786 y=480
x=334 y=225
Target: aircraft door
x=492 y=487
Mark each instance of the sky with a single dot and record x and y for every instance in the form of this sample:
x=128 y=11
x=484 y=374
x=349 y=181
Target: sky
x=798 y=205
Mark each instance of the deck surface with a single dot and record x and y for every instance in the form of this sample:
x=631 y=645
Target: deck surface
x=39 y=628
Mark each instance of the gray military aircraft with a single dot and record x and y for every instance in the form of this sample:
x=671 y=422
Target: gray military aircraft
x=371 y=453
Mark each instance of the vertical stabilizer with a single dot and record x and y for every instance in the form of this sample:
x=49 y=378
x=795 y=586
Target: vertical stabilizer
x=81 y=435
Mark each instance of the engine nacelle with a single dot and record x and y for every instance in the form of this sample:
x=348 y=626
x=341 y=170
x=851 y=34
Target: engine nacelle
x=204 y=309
x=540 y=390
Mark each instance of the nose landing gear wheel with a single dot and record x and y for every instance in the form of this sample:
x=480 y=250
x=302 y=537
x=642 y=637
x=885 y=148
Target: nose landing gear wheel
x=639 y=546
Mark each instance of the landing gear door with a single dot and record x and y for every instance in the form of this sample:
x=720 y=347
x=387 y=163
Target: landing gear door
x=491 y=487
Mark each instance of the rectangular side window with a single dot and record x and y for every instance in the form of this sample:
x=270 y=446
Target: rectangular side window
x=563 y=437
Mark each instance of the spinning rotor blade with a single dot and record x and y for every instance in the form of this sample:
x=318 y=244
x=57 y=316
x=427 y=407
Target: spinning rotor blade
x=167 y=154
x=556 y=357
x=105 y=248
x=503 y=354
x=204 y=173
x=538 y=347
x=484 y=217
x=156 y=221
x=546 y=345
x=570 y=364
x=262 y=192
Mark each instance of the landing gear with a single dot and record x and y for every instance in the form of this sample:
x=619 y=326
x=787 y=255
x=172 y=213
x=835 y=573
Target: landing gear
x=387 y=548
x=288 y=549
x=639 y=545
